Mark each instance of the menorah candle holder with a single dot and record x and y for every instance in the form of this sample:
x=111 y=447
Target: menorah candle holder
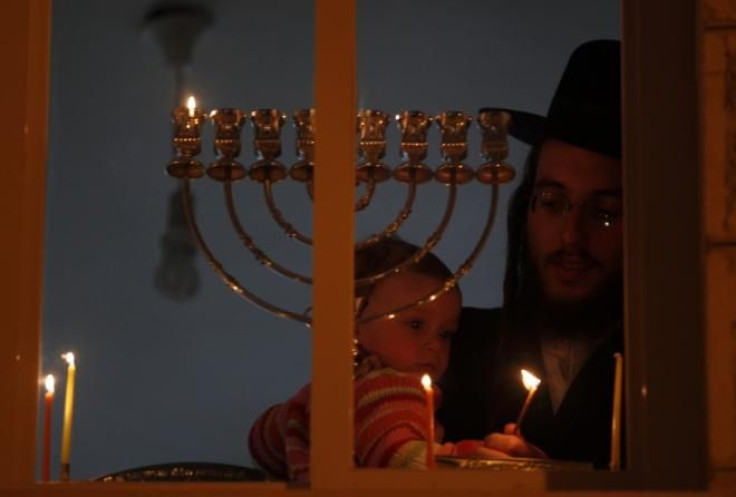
x=413 y=125
x=228 y=125
x=371 y=170
x=188 y=122
x=454 y=127
x=372 y=126
x=267 y=124
x=495 y=147
x=303 y=170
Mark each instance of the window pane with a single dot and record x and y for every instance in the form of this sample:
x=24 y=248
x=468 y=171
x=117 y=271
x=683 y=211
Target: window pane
x=426 y=56
x=171 y=364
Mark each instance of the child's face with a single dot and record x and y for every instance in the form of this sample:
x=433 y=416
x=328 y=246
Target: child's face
x=418 y=339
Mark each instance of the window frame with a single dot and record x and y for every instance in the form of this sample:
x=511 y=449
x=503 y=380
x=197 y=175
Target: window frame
x=663 y=231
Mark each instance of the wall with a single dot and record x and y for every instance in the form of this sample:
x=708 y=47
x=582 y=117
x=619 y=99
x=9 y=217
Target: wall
x=718 y=133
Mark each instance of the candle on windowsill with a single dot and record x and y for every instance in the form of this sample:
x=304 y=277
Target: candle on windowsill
x=48 y=402
x=615 y=463
x=66 y=439
x=531 y=383
x=427 y=384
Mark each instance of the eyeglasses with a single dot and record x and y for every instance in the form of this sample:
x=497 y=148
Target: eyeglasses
x=600 y=212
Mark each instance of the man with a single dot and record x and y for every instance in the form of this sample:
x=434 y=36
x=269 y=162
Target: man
x=562 y=311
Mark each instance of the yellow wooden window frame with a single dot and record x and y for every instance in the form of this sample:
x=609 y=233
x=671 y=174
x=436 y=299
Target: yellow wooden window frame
x=661 y=156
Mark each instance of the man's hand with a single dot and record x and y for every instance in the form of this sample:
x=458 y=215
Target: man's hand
x=510 y=443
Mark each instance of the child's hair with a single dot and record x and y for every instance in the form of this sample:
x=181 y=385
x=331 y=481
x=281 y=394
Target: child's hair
x=380 y=257
x=387 y=254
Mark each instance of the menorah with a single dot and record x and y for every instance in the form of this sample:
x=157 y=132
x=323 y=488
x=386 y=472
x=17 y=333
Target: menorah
x=371 y=170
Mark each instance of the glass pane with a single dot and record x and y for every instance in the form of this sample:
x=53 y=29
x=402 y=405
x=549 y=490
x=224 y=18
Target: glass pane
x=435 y=58
x=172 y=365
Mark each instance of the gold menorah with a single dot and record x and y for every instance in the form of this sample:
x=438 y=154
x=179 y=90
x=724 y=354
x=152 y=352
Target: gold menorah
x=371 y=170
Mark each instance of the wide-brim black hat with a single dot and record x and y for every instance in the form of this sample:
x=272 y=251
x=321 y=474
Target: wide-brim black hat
x=586 y=108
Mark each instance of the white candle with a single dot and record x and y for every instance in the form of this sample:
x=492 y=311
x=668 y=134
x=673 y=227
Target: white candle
x=66 y=438
x=49 y=400
x=427 y=384
x=531 y=383
x=615 y=463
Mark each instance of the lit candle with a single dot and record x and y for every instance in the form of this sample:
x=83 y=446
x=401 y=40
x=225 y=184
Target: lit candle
x=615 y=463
x=49 y=398
x=427 y=384
x=66 y=438
x=187 y=141
x=188 y=120
x=531 y=383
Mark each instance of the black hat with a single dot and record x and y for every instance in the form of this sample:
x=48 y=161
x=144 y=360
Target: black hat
x=586 y=108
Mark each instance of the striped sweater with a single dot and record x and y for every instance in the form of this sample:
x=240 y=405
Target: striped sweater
x=390 y=428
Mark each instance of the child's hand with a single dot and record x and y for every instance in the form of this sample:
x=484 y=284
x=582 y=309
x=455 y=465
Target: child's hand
x=511 y=444
x=439 y=432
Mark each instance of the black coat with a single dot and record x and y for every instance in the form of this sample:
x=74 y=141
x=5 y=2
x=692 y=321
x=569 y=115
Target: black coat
x=482 y=391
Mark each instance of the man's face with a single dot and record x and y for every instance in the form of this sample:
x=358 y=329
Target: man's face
x=574 y=224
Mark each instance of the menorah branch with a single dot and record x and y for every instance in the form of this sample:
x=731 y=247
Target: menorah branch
x=250 y=244
x=451 y=282
x=431 y=242
x=365 y=199
x=394 y=226
x=228 y=279
x=279 y=217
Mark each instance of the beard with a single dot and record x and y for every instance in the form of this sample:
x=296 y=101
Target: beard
x=600 y=310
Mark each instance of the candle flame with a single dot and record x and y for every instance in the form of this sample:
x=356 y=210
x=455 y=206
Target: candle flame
x=191 y=105
x=50 y=383
x=426 y=382
x=69 y=358
x=530 y=381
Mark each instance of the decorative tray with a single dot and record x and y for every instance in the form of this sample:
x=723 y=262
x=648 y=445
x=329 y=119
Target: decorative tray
x=517 y=463
x=186 y=471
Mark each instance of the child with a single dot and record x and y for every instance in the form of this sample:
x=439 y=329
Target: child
x=390 y=402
